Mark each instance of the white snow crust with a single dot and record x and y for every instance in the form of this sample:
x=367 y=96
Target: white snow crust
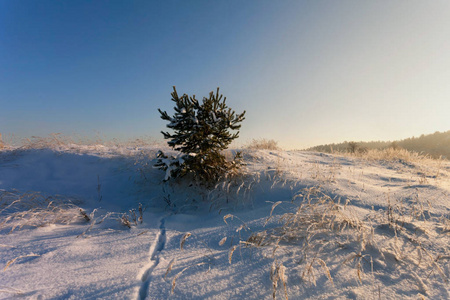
x=394 y=245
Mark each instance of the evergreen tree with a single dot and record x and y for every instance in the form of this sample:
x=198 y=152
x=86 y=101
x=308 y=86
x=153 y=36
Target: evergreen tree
x=201 y=130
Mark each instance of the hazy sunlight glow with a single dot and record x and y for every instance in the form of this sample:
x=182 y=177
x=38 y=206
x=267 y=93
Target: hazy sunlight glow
x=306 y=72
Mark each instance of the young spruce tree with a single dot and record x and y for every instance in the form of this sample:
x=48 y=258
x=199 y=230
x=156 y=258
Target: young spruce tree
x=201 y=130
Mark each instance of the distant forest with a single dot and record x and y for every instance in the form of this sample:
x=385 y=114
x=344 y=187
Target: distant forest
x=435 y=145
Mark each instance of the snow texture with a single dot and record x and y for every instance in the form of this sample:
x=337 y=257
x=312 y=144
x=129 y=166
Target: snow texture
x=360 y=229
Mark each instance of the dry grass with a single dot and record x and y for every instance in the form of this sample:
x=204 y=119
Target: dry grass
x=183 y=240
x=315 y=224
x=320 y=225
x=53 y=140
x=392 y=154
x=278 y=273
x=422 y=167
x=174 y=280
x=328 y=238
x=263 y=144
x=58 y=141
x=18 y=258
x=209 y=257
x=20 y=210
x=408 y=158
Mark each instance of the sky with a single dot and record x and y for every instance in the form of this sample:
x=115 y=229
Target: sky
x=306 y=72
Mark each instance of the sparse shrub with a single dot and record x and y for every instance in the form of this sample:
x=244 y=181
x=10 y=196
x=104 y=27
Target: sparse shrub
x=201 y=132
x=263 y=144
x=362 y=150
x=395 y=146
x=352 y=147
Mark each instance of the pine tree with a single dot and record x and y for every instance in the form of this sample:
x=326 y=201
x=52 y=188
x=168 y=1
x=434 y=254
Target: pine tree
x=200 y=132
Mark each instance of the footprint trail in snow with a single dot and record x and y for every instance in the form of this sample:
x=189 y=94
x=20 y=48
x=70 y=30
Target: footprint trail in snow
x=154 y=251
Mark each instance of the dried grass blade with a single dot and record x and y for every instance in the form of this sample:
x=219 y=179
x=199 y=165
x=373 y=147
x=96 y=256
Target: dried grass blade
x=13 y=260
x=183 y=239
x=230 y=254
x=227 y=217
x=222 y=241
x=325 y=269
x=169 y=268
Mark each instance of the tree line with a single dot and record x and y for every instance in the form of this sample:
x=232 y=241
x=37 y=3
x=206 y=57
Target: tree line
x=435 y=145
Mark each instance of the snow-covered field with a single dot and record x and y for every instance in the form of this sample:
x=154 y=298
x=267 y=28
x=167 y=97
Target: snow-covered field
x=297 y=225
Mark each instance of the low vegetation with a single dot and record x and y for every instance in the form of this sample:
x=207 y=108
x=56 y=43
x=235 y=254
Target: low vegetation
x=332 y=224
x=317 y=234
x=319 y=227
x=435 y=145
x=263 y=144
x=30 y=209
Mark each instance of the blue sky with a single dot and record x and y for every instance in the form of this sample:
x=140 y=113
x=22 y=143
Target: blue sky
x=306 y=72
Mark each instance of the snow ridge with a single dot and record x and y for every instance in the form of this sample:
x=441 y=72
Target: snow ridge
x=154 y=251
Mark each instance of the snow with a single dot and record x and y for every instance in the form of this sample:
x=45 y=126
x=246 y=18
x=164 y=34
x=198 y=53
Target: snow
x=359 y=228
